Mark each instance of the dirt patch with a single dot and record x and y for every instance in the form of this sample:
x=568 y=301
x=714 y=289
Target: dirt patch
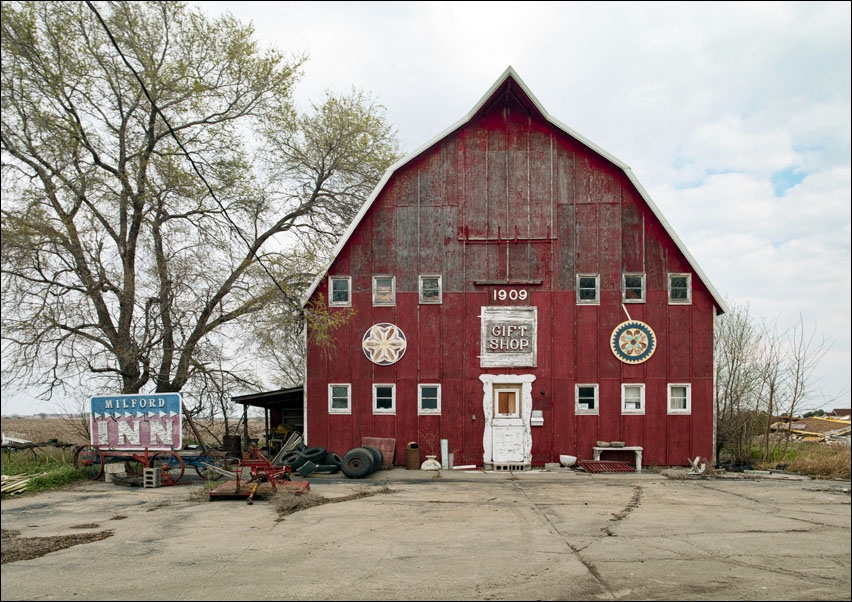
x=13 y=547
x=287 y=502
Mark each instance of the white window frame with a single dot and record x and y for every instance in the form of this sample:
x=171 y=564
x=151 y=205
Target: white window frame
x=376 y=409
x=392 y=293
x=624 y=278
x=331 y=408
x=624 y=408
x=428 y=411
x=688 y=408
x=496 y=390
x=578 y=409
x=331 y=281
x=440 y=290
x=597 y=299
x=688 y=300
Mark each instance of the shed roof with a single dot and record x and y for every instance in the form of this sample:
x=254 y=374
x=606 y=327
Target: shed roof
x=527 y=98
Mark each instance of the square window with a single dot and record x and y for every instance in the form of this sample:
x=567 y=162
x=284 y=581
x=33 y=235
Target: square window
x=632 y=399
x=430 y=399
x=384 y=399
x=633 y=288
x=507 y=402
x=339 y=399
x=588 y=289
x=680 y=289
x=586 y=397
x=430 y=289
x=340 y=291
x=384 y=292
x=680 y=399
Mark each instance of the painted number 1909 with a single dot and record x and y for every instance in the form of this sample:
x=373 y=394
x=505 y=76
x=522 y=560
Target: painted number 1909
x=511 y=294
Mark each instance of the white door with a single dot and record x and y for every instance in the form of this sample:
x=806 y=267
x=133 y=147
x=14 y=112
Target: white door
x=508 y=432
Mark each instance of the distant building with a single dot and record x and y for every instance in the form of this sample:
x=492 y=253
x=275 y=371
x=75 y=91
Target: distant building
x=517 y=293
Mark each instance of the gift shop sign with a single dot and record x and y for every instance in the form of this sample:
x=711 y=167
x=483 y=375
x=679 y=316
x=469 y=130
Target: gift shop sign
x=508 y=336
x=137 y=421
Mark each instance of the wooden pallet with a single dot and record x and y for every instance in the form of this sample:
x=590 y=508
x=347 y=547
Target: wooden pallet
x=599 y=466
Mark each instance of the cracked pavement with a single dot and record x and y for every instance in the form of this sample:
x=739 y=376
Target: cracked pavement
x=538 y=535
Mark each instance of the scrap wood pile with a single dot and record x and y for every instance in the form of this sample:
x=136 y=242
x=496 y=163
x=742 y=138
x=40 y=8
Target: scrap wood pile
x=18 y=483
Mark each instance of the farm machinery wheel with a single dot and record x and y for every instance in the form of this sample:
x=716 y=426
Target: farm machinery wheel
x=90 y=460
x=170 y=464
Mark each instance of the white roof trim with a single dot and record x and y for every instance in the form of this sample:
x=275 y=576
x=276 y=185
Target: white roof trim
x=510 y=72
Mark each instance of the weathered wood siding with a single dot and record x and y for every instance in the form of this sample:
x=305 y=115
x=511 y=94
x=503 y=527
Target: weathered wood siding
x=509 y=198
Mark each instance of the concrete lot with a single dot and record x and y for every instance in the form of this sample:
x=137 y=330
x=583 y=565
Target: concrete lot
x=453 y=535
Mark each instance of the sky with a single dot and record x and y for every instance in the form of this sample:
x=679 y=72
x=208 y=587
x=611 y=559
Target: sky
x=734 y=117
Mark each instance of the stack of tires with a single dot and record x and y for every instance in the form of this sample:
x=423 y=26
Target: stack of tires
x=359 y=462
x=307 y=460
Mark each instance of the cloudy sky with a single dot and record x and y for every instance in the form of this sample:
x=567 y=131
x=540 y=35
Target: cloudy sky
x=735 y=117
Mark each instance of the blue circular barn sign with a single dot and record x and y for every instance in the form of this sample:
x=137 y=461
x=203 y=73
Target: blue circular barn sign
x=633 y=342
x=384 y=344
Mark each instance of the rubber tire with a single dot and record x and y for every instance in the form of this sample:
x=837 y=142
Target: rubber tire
x=357 y=463
x=314 y=454
x=378 y=457
x=333 y=458
x=329 y=468
x=293 y=459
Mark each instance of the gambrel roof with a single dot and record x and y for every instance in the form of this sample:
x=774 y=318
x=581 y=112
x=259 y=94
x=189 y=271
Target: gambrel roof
x=508 y=78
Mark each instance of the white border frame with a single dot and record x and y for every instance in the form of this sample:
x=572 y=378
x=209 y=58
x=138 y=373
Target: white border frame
x=688 y=276
x=586 y=411
x=420 y=298
x=597 y=300
x=392 y=409
x=393 y=291
x=333 y=410
x=641 y=409
x=331 y=301
x=673 y=411
x=624 y=277
x=424 y=412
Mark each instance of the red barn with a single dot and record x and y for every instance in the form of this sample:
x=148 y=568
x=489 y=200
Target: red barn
x=516 y=292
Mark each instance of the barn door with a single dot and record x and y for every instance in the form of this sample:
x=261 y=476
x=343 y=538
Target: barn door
x=508 y=431
x=507 y=405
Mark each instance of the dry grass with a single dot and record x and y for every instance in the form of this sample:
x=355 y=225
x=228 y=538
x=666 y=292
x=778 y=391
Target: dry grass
x=824 y=461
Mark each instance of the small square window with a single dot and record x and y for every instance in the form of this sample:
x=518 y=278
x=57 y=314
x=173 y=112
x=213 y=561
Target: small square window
x=632 y=399
x=339 y=399
x=680 y=399
x=384 y=399
x=507 y=402
x=430 y=289
x=384 y=292
x=588 y=289
x=586 y=397
x=680 y=289
x=340 y=291
x=430 y=399
x=633 y=288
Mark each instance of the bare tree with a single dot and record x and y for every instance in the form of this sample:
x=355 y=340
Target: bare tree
x=159 y=189
x=762 y=373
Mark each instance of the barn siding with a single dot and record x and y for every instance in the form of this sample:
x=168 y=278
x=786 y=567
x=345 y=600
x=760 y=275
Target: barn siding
x=509 y=198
